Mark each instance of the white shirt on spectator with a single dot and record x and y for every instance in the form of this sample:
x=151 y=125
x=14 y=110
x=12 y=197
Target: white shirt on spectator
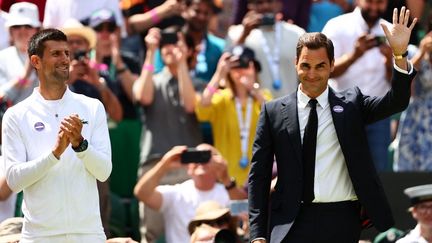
x=60 y=196
x=179 y=203
x=369 y=71
x=7 y=207
x=57 y=12
x=289 y=36
x=4 y=33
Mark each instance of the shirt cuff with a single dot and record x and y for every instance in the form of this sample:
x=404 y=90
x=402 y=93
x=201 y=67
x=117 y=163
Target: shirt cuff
x=259 y=238
x=410 y=68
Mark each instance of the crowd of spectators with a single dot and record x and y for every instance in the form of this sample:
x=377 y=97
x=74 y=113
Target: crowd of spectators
x=178 y=74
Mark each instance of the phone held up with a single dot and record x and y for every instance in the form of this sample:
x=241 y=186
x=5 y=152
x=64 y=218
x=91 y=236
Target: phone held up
x=379 y=40
x=168 y=37
x=192 y=155
x=268 y=19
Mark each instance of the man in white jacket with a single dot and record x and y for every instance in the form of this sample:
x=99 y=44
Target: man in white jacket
x=56 y=146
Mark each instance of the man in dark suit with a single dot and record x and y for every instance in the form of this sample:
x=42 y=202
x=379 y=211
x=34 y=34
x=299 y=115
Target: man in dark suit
x=326 y=176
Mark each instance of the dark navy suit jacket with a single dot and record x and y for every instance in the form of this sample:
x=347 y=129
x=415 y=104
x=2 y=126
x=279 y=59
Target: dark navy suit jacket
x=278 y=136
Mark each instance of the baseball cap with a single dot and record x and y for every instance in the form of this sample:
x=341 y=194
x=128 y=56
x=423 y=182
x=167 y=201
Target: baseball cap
x=23 y=13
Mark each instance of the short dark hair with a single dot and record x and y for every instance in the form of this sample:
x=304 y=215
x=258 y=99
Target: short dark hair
x=37 y=41
x=315 y=41
x=209 y=3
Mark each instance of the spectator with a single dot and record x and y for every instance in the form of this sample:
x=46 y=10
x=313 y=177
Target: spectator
x=10 y=230
x=233 y=112
x=413 y=150
x=324 y=10
x=122 y=71
x=421 y=211
x=364 y=61
x=58 y=176
x=274 y=45
x=209 y=47
x=84 y=77
x=6 y=4
x=178 y=202
x=17 y=78
x=212 y=215
x=58 y=12
x=4 y=33
x=168 y=101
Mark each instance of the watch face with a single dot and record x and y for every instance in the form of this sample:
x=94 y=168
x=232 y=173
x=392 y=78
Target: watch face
x=82 y=147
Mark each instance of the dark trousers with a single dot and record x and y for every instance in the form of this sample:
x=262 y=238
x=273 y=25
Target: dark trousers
x=337 y=222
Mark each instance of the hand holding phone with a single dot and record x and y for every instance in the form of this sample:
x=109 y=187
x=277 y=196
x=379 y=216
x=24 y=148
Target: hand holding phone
x=168 y=38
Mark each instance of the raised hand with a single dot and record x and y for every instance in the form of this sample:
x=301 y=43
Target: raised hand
x=71 y=126
x=152 y=39
x=399 y=34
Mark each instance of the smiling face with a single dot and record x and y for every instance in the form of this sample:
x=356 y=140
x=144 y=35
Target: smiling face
x=313 y=69
x=422 y=212
x=53 y=65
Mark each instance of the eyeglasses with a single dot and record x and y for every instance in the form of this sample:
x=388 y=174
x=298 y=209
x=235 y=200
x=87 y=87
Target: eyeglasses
x=217 y=222
x=424 y=208
x=109 y=26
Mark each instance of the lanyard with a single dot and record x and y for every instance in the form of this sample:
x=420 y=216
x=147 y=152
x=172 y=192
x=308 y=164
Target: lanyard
x=244 y=126
x=201 y=66
x=273 y=59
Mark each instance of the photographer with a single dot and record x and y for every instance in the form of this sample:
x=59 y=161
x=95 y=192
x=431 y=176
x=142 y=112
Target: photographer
x=178 y=202
x=85 y=78
x=273 y=42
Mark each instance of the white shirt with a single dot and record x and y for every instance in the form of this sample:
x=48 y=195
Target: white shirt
x=332 y=182
x=4 y=32
x=179 y=203
x=413 y=237
x=60 y=196
x=12 y=63
x=57 y=12
x=290 y=34
x=369 y=71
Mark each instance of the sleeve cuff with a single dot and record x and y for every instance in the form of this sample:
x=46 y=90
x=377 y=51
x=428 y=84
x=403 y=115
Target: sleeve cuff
x=410 y=68
x=259 y=238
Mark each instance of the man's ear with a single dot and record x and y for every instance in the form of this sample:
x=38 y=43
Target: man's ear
x=332 y=66
x=35 y=61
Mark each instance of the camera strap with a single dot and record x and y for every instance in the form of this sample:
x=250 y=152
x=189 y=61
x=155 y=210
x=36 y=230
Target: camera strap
x=244 y=127
x=273 y=58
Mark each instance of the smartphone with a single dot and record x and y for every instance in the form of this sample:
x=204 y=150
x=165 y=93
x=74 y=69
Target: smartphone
x=168 y=38
x=80 y=55
x=192 y=155
x=268 y=19
x=238 y=206
x=380 y=40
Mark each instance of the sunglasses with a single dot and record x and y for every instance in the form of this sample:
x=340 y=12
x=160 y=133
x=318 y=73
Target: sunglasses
x=109 y=26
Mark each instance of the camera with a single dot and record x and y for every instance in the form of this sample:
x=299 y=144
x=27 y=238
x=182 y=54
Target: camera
x=192 y=155
x=80 y=55
x=379 y=40
x=268 y=19
x=225 y=236
x=168 y=38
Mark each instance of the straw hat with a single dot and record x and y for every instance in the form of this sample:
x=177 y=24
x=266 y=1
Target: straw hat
x=74 y=27
x=207 y=211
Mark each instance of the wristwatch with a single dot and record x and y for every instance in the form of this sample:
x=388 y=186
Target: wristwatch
x=82 y=146
x=232 y=184
x=399 y=57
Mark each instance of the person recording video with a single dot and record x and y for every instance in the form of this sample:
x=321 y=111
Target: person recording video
x=179 y=202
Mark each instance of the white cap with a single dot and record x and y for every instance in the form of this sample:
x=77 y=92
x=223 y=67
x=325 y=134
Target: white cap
x=23 y=13
x=418 y=194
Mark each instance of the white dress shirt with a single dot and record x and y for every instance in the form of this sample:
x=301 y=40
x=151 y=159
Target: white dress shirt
x=332 y=182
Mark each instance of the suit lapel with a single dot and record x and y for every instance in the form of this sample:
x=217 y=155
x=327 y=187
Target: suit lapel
x=290 y=115
x=338 y=109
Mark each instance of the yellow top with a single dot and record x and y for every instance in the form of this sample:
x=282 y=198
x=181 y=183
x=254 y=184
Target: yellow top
x=222 y=116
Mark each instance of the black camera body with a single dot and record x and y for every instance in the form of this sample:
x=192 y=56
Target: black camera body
x=268 y=19
x=379 y=40
x=192 y=155
x=80 y=55
x=168 y=38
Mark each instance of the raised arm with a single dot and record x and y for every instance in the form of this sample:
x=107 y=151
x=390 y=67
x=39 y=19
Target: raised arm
x=186 y=88
x=143 y=88
x=398 y=36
